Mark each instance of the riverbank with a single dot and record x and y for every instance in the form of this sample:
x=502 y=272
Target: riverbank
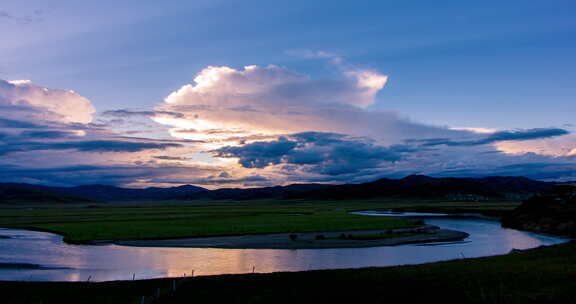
x=194 y=220
x=541 y=275
x=311 y=240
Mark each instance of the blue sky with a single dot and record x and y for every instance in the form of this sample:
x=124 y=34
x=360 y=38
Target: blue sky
x=497 y=65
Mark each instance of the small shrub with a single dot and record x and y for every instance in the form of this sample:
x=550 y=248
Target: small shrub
x=320 y=237
x=293 y=236
x=342 y=236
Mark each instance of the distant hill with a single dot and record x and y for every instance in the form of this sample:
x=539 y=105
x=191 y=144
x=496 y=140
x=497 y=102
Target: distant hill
x=414 y=186
x=111 y=193
x=11 y=193
x=553 y=212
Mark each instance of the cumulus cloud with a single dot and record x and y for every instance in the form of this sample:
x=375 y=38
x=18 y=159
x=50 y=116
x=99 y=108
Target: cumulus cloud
x=38 y=125
x=272 y=100
x=256 y=126
x=276 y=121
x=23 y=100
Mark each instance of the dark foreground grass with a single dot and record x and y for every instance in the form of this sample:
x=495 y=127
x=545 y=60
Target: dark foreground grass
x=543 y=275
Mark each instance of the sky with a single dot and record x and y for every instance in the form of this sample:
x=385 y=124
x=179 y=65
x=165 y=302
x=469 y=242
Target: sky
x=259 y=93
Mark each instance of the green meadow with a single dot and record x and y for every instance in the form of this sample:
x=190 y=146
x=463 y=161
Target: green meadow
x=157 y=220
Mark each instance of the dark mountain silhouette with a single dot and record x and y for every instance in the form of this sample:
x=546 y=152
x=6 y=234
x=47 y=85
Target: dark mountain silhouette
x=19 y=193
x=112 y=193
x=414 y=186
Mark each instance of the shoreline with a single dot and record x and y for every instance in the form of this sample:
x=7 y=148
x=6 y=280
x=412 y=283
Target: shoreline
x=279 y=240
x=305 y=240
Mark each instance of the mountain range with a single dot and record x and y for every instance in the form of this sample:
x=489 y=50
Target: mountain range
x=413 y=186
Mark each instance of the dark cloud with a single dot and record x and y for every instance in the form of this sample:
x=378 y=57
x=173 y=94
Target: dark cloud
x=521 y=135
x=86 y=146
x=84 y=175
x=323 y=153
x=259 y=154
x=109 y=146
x=536 y=170
x=247 y=181
x=18 y=124
x=51 y=134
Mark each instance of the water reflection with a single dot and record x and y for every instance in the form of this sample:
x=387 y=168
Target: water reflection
x=103 y=263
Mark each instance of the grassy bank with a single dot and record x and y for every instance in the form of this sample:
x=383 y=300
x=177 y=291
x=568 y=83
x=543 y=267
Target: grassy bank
x=162 y=220
x=543 y=275
x=158 y=220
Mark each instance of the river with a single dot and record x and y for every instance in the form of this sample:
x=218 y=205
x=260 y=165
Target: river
x=64 y=262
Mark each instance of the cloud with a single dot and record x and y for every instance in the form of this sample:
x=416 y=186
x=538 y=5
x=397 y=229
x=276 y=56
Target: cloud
x=23 y=100
x=85 y=146
x=123 y=113
x=491 y=138
x=256 y=126
x=36 y=16
x=37 y=124
x=551 y=171
x=5 y=15
x=126 y=175
x=272 y=100
x=294 y=128
x=323 y=153
x=167 y=157
x=50 y=134
x=553 y=146
x=18 y=124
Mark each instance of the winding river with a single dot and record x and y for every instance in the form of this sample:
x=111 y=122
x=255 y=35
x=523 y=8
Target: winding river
x=62 y=262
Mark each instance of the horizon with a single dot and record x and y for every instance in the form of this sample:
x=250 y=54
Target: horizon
x=293 y=184
x=219 y=94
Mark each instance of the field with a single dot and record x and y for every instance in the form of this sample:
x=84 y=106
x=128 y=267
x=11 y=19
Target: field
x=543 y=275
x=157 y=220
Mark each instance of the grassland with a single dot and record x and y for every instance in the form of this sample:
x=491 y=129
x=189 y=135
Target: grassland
x=542 y=275
x=160 y=220
x=169 y=220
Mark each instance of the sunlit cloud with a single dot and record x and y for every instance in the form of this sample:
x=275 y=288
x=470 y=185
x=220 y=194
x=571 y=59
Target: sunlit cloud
x=559 y=146
x=256 y=126
x=24 y=100
x=272 y=100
